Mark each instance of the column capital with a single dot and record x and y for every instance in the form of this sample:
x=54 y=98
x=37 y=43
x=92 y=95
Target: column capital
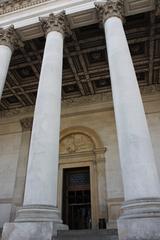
x=157 y=8
x=26 y=123
x=110 y=8
x=9 y=37
x=54 y=22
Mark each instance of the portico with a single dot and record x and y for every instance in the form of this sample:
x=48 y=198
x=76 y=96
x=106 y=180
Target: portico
x=141 y=184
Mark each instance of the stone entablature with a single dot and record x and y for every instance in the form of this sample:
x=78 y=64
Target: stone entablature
x=131 y=6
x=146 y=91
x=14 y=5
x=25 y=14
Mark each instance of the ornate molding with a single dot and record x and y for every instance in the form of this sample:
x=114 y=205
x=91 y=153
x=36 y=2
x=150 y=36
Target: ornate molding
x=110 y=9
x=106 y=97
x=76 y=142
x=26 y=123
x=157 y=7
x=14 y=5
x=150 y=90
x=90 y=99
x=17 y=112
x=54 y=22
x=9 y=37
x=73 y=102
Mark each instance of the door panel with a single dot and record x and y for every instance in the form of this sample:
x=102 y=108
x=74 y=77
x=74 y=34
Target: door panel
x=76 y=198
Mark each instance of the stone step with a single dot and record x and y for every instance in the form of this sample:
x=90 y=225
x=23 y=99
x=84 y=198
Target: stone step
x=88 y=235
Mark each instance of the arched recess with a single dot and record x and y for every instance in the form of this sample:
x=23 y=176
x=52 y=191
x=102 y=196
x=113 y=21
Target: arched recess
x=82 y=147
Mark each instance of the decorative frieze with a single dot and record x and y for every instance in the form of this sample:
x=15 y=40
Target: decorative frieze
x=110 y=9
x=76 y=142
x=55 y=23
x=17 y=112
x=131 y=6
x=14 y=5
x=90 y=99
x=81 y=101
x=9 y=37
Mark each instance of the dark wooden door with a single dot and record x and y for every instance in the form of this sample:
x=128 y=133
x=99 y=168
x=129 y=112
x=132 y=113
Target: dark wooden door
x=76 y=198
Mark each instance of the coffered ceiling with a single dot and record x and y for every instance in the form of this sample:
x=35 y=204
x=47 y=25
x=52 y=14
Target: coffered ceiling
x=85 y=65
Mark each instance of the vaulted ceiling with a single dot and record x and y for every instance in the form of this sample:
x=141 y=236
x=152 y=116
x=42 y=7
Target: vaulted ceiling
x=85 y=65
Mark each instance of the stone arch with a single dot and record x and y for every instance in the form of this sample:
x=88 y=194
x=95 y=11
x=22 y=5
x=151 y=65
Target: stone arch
x=91 y=156
x=77 y=139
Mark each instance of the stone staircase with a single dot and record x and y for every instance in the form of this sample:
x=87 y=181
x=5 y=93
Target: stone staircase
x=88 y=235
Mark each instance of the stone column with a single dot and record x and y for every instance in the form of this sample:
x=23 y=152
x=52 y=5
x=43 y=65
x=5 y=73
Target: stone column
x=8 y=42
x=39 y=217
x=140 y=218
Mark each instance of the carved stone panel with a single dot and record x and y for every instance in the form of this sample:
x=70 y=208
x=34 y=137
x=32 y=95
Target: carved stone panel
x=76 y=142
x=138 y=6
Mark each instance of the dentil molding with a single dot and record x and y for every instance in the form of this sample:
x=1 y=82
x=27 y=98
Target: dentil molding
x=14 y=5
x=131 y=6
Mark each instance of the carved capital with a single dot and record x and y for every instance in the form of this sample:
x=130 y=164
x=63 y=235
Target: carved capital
x=55 y=23
x=9 y=37
x=26 y=123
x=110 y=8
x=157 y=7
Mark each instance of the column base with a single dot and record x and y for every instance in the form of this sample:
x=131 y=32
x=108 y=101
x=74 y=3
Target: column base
x=34 y=223
x=140 y=220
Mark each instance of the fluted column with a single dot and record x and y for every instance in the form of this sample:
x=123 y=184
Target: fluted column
x=39 y=217
x=141 y=214
x=42 y=173
x=8 y=42
x=41 y=183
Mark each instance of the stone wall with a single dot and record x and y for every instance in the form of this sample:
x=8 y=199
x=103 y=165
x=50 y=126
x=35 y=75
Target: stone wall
x=95 y=115
x=9 y=151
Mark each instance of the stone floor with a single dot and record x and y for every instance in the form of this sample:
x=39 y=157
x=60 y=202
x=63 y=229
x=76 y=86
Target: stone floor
x=85 y=235
x=88 y=235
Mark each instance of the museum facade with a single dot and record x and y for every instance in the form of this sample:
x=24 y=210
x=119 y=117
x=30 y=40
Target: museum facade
x=79 y=118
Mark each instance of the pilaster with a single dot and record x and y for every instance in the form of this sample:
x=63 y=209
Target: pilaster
x=26 y=124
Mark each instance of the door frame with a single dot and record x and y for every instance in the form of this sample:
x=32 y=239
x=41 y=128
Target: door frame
x=94 y=159
x=93 y=188
x=67 y=188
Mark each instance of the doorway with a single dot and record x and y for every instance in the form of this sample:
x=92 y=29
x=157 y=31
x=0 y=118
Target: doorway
x=77 y=198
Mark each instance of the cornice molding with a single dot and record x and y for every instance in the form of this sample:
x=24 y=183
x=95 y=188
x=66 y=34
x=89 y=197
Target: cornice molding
x=106 y=97
x=18 y=112
x=90 y=99
x=110 y=9
x=14 y=5
x=9 y=37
